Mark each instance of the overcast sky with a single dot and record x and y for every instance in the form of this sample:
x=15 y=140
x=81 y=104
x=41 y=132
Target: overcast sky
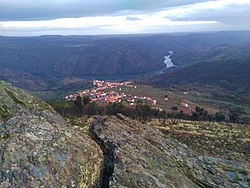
x=88 y=17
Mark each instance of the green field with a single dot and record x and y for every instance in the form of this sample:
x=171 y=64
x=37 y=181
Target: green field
x=211 y=98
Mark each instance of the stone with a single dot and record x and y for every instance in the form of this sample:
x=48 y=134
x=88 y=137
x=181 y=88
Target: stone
x=37 y=147
x=149 y=159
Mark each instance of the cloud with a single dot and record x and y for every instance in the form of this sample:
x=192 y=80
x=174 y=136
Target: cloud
x=29 y=17
x=12 y=10
x=216 y=10
x=133 y=18
x=106 y=24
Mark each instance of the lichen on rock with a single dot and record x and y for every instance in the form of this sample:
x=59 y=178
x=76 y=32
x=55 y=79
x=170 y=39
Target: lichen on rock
x=145 y=157
x=37 y=147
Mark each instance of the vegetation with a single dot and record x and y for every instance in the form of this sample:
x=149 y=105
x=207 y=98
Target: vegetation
x=14 y=98
x=232 y=74
x=210 y=138
x=40 y=57
x=39 y=65
x=83 y=106
x=234 y=117
x=219 y=116
x=4 y=114
x=200 y=114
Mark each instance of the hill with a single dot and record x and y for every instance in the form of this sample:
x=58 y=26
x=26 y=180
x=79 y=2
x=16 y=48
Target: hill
x=183 y=41
x=64 y=57
x=226 y=66
x=224 y=52
x=216 y=78
x=45 y=64
x=39 y=148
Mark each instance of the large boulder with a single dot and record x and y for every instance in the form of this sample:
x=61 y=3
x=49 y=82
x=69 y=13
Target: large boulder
x=37 y=147
x=138 y=155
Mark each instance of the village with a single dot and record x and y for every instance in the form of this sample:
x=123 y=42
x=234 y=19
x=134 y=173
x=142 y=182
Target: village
x=102 y=93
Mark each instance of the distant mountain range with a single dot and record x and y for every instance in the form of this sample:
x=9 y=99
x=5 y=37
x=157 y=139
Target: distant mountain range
x=82 y=55
x=60 y=56
x=223 y=52
x=43 y=63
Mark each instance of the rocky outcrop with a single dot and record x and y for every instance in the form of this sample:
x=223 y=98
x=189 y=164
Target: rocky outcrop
x=38 y=149
x=145 y=157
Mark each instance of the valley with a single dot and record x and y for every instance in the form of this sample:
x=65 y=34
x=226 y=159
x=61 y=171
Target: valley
x=130 y=153
x=126 y=110
x=175 y=101
x=124 y=94
x=214 y=74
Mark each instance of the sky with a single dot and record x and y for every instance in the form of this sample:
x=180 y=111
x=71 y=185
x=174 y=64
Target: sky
x=95 y=17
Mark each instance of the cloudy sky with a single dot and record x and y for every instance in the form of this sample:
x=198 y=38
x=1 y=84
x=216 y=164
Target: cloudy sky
x=88 y=17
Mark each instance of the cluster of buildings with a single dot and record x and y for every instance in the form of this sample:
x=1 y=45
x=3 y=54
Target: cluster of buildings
x=101 y=93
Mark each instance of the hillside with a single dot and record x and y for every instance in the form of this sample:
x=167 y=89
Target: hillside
x=42 y=64
x=217 y=79
x=64 y=57
x=231 y=74
x=145 y=157
x=39 y=148
x=226 y=66
x=185 y=41
x=224 y=52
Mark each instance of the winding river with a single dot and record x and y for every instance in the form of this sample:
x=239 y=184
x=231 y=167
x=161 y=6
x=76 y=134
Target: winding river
x=168 y=62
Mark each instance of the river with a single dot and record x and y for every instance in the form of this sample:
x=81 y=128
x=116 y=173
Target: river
x=167 y=61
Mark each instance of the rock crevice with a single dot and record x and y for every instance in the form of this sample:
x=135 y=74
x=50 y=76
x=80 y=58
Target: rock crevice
x=108 y=149
x=137 y=155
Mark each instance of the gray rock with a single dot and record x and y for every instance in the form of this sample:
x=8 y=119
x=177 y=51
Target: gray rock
x=146 y=158
x=37 y=148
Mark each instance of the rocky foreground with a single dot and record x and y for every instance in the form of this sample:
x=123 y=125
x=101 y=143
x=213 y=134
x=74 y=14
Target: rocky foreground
x=37 y=148
x=145 y=157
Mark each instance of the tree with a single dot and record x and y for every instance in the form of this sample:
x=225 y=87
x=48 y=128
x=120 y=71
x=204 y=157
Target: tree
x=63 y=107
x=114 y=108
x=78 y=104
x=143 y=110
x=78 y=101
x=174 y=111
x=234 y=117
x=219 y=116
x=200 y=114
x=91 y=108
x=85 y=100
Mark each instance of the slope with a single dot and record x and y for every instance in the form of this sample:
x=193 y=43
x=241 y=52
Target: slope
x=63 y=57
x=226 y=66
x=38 y=149
x=142 y=156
